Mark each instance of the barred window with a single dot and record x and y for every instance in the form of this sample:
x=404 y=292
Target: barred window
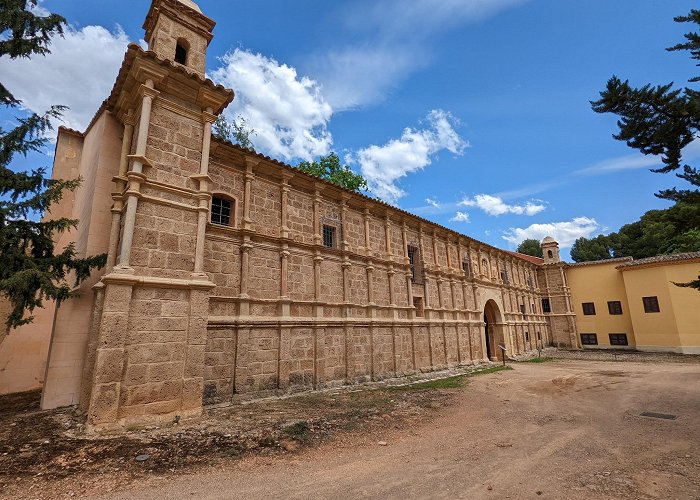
x=329 y=236
x=466 y=267
x=618 y=339
x=546 y=306
x=651 y=304
x=588 y=308
x=504 y=277
x=589 y=339
x=221 y=210
x=413 y=252
x=614 y=307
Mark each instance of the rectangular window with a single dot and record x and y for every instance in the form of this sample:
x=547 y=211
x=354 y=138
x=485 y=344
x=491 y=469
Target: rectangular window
x=328 y=236
x=413 y=259
x=614 y=307
x=546 y=306
x=618 y=339
x=466 y=268
x=504 y=277
x=651 y=304
x=418 y=304
x=220 y=211
x=539 y=337
x=527 y=337
x=588 y=308
x=589 y=339
x=522 y=308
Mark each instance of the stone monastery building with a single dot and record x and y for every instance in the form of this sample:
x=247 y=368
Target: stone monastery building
x=233 y=275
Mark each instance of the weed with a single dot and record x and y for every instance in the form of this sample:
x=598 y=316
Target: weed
x=298 y=431
x=544 y=359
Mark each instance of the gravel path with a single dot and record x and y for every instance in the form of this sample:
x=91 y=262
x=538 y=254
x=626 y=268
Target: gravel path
x=563 y=429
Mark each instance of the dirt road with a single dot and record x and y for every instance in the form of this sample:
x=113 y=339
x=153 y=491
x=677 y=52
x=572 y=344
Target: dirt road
x=556 y=430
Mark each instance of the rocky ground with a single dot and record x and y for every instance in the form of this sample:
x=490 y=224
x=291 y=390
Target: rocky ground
x=560 y=429
x=47 y=453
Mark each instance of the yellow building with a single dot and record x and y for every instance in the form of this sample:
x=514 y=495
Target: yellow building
x=634 y=304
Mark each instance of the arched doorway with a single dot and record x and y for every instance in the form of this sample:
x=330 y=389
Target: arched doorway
x=493 y=331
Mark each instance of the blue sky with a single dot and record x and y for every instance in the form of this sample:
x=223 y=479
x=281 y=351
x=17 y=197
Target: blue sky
x=471 y=113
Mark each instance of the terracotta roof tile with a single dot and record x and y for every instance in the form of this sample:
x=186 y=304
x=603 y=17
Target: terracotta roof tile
x=602 y=261
x=660 y=259
x=530 y=258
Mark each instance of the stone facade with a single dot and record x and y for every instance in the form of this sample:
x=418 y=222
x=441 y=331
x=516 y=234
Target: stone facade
x=189 y=312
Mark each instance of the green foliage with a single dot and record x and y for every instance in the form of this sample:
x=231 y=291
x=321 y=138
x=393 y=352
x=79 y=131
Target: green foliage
x=543 y=359
x=657 y=232
x=532 y=247
x=30 y=270
x=330 y=169
x=23 y=33
x=659 y=120
x=236 y=131
x=585 y=250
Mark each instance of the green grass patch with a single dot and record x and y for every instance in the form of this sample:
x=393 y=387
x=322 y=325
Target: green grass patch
x=299 y=431
x=455 y=382
x=543 y=359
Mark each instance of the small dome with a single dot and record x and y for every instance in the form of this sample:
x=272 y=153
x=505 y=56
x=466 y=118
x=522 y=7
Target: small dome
x=548 y=239
x=191 y=5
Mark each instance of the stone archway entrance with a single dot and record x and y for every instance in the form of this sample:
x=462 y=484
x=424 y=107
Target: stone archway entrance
x=493 y=331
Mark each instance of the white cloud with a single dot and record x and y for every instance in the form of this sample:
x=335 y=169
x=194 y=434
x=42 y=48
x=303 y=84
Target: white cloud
x=564 y=232
x=494 y=205
x=383 y=166
x=79 y=73
x=288 y=112
x=424 y=17
x=362 y=75
x=460 y=217
x=391 y=42
x=37 y=9
x=432 y=203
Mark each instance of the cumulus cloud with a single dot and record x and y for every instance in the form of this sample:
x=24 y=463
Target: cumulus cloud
x=494 y=205
x=288 y=112
x=78 y=73
x=460 y=217
x=564 y=232
x=383 y=166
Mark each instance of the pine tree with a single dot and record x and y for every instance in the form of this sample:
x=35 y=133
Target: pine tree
x=31 y=270
x=660 y=119
x=532 y=247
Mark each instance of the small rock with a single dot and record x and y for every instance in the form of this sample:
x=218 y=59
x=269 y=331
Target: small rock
x=382 y=443
x=489 y=487
x=538 y=492
x=142 y=458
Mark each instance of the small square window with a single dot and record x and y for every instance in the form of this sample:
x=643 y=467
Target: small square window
x=589 y=339
x=546 y=306
x=220 y=211
x=588 y=308
x=651 y=304
x=618 y=339
x=329 y=236
x=614 y=307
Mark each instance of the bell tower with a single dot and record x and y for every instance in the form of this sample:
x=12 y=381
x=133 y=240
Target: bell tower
x=176 y=30
x=550 y=250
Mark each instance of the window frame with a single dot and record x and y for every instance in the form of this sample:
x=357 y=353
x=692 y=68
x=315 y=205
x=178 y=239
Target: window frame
x=588 y=308
x=586 y=337
x=413 y=254
x=548 y=307
x=233 y=203
x=615 y=307
x=329 y=231
x=618 y=342
x=419 y=307
x=651 y=304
